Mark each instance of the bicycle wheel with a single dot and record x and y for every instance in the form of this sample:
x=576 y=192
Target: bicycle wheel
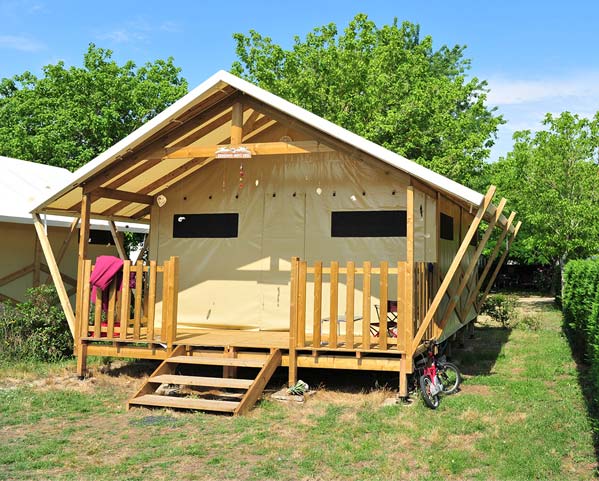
x=432 y=401
x=450 y=377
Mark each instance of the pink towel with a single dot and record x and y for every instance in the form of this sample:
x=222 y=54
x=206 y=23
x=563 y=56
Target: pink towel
x=107 y=267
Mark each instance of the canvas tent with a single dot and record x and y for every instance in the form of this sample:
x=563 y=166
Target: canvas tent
x=22 y=185
x=247 y=195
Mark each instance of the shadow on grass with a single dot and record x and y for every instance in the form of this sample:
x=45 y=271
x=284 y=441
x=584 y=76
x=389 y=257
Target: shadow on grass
x=588 y=385
x=479 y=354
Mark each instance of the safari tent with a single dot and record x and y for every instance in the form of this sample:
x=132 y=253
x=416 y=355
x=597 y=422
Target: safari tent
x=276 y=239
x=22 y=185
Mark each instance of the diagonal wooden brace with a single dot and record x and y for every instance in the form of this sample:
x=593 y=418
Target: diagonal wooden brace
x=55 y=272
x=473 y=263
x=453 y=268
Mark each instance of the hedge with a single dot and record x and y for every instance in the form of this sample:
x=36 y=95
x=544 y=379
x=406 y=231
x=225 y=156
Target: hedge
x=581 y=309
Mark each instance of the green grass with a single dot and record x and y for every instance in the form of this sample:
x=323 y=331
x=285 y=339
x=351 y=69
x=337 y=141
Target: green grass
x=520 y=416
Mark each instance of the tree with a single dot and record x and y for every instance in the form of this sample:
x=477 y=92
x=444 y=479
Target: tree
x=70 y=115
x=551 y=178
x=386 y=84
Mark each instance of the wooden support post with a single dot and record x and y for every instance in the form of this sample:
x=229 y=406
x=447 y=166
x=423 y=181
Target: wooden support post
x=403 y=376
x=293 y=322
x=55 y=273
x=454 y=267
x=366 y=306
x=317 y=318
x=237 y=124
x=37 y=261
x=349 y=305
x=301 y=305
x=81 y=256
x=173 y=293
x=230 y=371
x=409 y=279
x=118 y=241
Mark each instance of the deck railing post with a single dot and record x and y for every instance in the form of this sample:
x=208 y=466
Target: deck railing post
x=293 y=321
x=173 y=296
x=410 y=295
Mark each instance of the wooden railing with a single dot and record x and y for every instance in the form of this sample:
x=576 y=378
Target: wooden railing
x=368 y=328
x=129 y=314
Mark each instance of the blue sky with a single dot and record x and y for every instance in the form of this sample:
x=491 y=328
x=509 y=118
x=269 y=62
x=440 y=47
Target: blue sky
x=538 y=56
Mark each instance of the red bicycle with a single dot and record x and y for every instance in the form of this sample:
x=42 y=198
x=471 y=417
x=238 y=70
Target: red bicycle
x=435 y=375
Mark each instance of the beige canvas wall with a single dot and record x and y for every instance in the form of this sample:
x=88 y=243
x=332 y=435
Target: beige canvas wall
x=284 y=210
x=17 y=243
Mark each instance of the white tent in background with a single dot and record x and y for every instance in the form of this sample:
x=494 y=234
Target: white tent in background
x=22 y=185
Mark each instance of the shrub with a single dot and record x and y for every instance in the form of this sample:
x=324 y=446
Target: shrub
x=35 y=330
x=501 y=308
x=529 y=322
x=580 y=297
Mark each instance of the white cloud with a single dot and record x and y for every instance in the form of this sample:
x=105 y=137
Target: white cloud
x=517 y=91
x=138 y=30
x=524 y=102
x=122 y=36
x=21 y=43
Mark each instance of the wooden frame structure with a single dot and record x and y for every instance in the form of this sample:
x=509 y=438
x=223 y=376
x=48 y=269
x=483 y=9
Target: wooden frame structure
x=127 y=182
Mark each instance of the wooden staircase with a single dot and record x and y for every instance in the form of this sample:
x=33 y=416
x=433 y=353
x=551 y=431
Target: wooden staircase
x=227 y=394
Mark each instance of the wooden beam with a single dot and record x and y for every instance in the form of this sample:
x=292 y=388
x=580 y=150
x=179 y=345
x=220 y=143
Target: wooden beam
x=140 y=214
x=7 y=279
x=118 y=241
x=4 y=298
x=498 y=267
x=158 y=144
x=473 y=263
x=65 y=244
x=66 y=278
x=104 y=193
x=453 y=267
x=184 y=170
x=261 y=148
x=55 y=272
x=37 y=259
x=248 y=126
x=236 y=124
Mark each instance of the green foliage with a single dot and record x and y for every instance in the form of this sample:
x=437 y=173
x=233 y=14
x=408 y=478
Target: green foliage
x=70 y=115
x=529 y=322
x=501 y=308
x=35 y=330
x=580 y=301
x=386 y=84
x=550 y=179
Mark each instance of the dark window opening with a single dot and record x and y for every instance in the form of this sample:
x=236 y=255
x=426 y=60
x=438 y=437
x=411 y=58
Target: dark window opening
x=101 y=237
x=371 y=223
x=446 y=227
x=207 y=226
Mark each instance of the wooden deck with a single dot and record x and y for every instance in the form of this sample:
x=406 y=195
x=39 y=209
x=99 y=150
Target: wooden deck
x=267 y=340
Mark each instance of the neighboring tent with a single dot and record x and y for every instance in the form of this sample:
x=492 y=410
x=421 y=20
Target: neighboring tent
x=22 y=185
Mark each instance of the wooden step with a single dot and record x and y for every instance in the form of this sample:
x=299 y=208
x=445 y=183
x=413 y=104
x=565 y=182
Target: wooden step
x=202 y=381
x=184 y=403
x=216 y=361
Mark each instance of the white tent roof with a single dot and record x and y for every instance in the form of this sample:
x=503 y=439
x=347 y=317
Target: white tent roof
x=24 y=184
x=219 y=81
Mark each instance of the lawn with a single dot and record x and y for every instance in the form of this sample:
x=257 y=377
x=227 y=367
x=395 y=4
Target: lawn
x=520 y=415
